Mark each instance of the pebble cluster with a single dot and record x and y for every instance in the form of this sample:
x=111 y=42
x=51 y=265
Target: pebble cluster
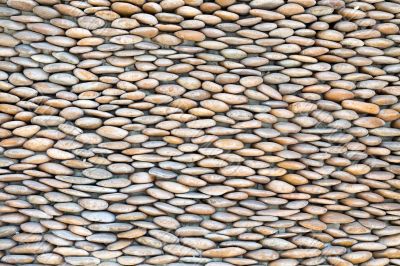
x=194 y=132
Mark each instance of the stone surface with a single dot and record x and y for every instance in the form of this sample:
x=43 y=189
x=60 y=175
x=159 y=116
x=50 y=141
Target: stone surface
x=199 y=132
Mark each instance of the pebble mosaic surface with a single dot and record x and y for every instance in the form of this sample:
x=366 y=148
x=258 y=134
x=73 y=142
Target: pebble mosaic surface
x=195 y=132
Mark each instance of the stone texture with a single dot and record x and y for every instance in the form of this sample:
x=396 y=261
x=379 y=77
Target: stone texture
x=192 y=132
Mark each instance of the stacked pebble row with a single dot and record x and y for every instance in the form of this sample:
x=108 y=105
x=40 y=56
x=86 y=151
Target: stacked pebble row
x=196 y=132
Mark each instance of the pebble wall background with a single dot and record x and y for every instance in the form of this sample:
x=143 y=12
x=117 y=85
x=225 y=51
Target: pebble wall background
x=194 y=132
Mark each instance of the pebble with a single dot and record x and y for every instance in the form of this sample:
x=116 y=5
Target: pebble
x=191 y=132
x=224 y=252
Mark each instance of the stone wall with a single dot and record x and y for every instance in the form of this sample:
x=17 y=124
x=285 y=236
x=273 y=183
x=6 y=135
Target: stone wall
x=196 y=132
